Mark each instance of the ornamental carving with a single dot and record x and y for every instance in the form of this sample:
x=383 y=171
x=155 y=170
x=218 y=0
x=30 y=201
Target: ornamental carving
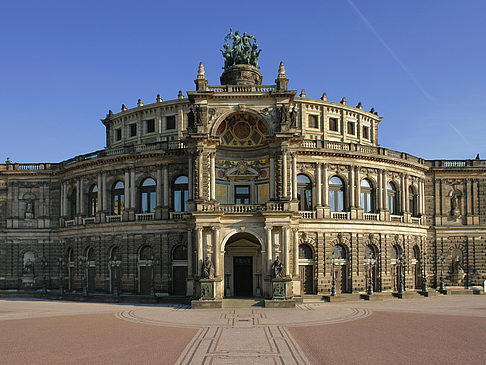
x=242 y=130
x=306 y=238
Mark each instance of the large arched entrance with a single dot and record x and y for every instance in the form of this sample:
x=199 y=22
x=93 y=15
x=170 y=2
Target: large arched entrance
x=242 y=266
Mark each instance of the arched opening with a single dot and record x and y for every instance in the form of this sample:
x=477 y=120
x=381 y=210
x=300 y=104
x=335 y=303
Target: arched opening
x=243 y=266
x=367 y=196
x=118 y=198
x=395 y=254
x=180 y=194
x=72 y=204
x=306 y=269
x=336 y=194
x=93 y=201
x=416 y=267
x=340 y=259
x=90 y=268
x=179 y=269
x=392 y=198
x=148 y=199
x=71 y=268
x=412 y=201
x=145 y=263
x=304 y=192
x=371 y=258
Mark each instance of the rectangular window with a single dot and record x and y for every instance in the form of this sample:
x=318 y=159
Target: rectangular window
x=333 y=125
x=242 y=194
x=170 y=122
x=118 y=134
x=313 y=121
x=351 y=129
x=150 y=125
x=133 y=130
x=366 y=132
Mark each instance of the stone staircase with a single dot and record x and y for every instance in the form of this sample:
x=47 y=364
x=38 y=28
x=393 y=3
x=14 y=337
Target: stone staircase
x=243 y=302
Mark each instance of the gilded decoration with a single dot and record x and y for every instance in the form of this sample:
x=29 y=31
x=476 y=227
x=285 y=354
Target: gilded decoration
x=242 y=130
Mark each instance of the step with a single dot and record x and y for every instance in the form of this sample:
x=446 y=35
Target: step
x=242 y=303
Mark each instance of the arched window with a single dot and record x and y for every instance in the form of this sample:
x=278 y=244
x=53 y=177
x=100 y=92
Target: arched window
x=367 y=196
x=145 y=253
x=90 y=254
x=118 y=198
x=370 y=252
x=179 y=253
x=70 y=255
x=115 y=253
x=336 y=194
x=412 y=201
x=180 y=194
x=148 y=195
x=392 y=198
x=396 y=251
x=304 y=192
x=93 y=201
x=72 y=202
x=305 y=252
x=339 y=252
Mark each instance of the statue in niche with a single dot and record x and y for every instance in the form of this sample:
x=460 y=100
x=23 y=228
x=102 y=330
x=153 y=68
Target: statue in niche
x=457 y=267
x=198 y=114
x=277 y=269
x=29 y=267
x=282 y=114
x=29 y=209
x=293 y=118
x=456 y=200
x=190 y=119
x=207 y=270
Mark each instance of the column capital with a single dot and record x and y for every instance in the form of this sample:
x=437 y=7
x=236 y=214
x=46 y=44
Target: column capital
x=268 y=228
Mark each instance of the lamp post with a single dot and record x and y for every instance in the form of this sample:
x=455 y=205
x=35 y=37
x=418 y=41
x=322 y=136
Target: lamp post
x=44 y=281
x=114 y=263
x=442 y=260
x=330 y=260
x=424 y=276
x=60 y=265
x=83 y=263
x=371 y=264
x=402 y=260
x=153 y=262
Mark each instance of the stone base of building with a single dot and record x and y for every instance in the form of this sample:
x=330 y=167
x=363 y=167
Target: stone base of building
x=342 y=298
x=376 y=296
x=206 y=304
x=407 y=295
x=280 y=303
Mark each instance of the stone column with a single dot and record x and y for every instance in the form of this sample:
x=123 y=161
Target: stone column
x=165 y=172
x=421 y=195
x=325 y=187
x=189 y=253
x=269 y=248
x=200 y=192
x=286 y=250
x=294 y=176
x=81 y=196
x=127 y=189
x=351 y=186
x=284 y=175
x=199 y=250
x=384 y=187
x=296 y=251
x=216 y=251
x=78 y=183
x=132 y=189
x=379 y=195
x=158 y=193
x=190 y=177
x=407 y=198
x=357 y=183
x=65 y=202
x=213 y=177
x=404 y=193
x=318 y=185
x=101 y=207
x=272 y=177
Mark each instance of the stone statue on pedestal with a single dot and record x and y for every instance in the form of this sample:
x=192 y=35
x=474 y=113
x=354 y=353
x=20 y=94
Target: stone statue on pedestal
x=207 y=270
x=277 y=269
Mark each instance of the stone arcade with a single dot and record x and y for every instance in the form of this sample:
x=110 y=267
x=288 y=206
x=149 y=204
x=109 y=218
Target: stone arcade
x=245 y=190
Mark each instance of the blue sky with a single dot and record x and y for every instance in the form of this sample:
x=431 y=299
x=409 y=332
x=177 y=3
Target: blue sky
x=420 y=64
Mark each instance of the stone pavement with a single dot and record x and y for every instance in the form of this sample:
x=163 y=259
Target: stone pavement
x=417 y=330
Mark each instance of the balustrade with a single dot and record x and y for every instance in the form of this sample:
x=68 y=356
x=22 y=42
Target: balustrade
x=114 y=218
x=340 y=215
x=141 y=217
x=240 y=208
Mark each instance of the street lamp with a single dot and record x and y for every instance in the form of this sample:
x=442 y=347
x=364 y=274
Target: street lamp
x=442 y=260
x=83 y=263
x=114 y=263
x=402 y=261
x=371 y=263
x=330 y=261
x=44 y=281
x=60 y=265
x=153 y=262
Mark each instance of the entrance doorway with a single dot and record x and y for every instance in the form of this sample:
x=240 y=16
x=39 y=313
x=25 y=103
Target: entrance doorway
x=242 y=266
x=243 y=272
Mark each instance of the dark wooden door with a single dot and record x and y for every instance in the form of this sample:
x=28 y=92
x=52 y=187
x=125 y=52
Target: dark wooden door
x=179 y=276
x=341 y=279
x=91 y=278
x=306 y=279
x=243 y=276
x=417 y=275
x=145 y=280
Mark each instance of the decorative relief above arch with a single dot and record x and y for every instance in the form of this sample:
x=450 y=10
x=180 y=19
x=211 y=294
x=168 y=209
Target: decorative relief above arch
x=242 y=130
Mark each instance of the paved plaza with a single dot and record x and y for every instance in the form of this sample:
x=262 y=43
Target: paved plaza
x=441 y=330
